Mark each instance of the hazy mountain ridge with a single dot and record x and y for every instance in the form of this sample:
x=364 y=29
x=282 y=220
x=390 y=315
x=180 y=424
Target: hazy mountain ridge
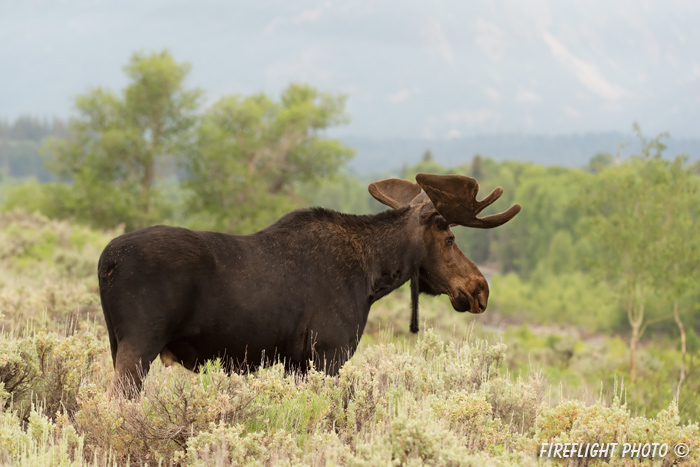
x=22 y=158
x=573 y=150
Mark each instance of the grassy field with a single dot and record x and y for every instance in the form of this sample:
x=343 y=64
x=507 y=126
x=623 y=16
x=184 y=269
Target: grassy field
x=465 y=391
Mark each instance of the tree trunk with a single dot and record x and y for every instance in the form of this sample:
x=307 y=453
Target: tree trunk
x=146 y=182
x=149 y=172
x=633 y=353
x=682 y=330
x=636 y=318
x=143 y=220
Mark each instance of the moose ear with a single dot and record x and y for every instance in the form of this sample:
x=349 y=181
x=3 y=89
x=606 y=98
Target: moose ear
x=394 y=192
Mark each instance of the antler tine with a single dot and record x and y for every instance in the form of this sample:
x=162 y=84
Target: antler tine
x=494 y=220
x=454 y=197
x=490 y=199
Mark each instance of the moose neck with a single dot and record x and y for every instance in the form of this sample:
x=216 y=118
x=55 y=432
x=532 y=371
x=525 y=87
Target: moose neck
x=381 y=251
x=391 y=251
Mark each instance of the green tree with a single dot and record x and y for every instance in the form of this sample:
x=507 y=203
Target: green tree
x=427 y=164
x=252 y=152
x=343 y=192
x=477 y=167
x=549 y=196
x=680 y=247
x=119 y=144
x=627 y=205
x=599 y=162
x=561 y=257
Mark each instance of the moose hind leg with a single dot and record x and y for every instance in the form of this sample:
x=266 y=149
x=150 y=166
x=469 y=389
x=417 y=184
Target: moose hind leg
x=131 y=366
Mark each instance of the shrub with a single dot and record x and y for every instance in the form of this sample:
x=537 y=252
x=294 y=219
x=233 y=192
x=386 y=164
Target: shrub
x=43 y=443
x=46 y=370
x=174 y=405
x=571 y=421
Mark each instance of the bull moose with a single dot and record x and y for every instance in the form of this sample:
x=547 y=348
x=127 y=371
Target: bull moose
x=298 y=291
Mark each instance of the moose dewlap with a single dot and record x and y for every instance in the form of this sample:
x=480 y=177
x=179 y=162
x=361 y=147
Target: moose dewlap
x=298 y=291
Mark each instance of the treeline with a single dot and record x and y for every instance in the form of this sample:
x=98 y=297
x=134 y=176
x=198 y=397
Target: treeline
x=20 y=145
x=29 y=128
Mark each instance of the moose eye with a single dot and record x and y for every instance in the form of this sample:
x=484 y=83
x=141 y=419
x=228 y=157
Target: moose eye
x=449 y=241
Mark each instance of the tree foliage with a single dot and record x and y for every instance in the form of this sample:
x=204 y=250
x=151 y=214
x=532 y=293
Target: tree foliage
x=640 y=216
x=599 y=162
x=250 y=153
x=242 y=160
x=119 y=143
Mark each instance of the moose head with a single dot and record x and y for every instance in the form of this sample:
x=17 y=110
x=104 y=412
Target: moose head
x=436 y=203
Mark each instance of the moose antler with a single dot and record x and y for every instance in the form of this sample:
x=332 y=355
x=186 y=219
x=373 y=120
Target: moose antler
x=454 y=198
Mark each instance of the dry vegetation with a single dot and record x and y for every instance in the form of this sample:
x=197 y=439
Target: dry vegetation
x=443 y=398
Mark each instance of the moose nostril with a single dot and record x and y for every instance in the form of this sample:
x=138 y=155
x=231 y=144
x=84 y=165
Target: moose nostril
x=483 y=300
x=469 y=298
x=482 y=294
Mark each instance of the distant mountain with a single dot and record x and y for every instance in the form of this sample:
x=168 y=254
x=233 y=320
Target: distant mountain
x=376 y=155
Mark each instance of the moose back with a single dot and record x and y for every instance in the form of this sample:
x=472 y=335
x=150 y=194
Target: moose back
x=298 y=291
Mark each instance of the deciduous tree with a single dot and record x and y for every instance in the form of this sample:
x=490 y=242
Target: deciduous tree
x=639 y=215
x=118 y=144
x=251 y=152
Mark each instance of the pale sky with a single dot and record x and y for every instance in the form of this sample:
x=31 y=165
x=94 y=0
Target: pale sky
x=426 y=69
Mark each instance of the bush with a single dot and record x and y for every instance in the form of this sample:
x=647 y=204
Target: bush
x=48 y=371
x=571 y=421
x=175 y=405
x=43 y=442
